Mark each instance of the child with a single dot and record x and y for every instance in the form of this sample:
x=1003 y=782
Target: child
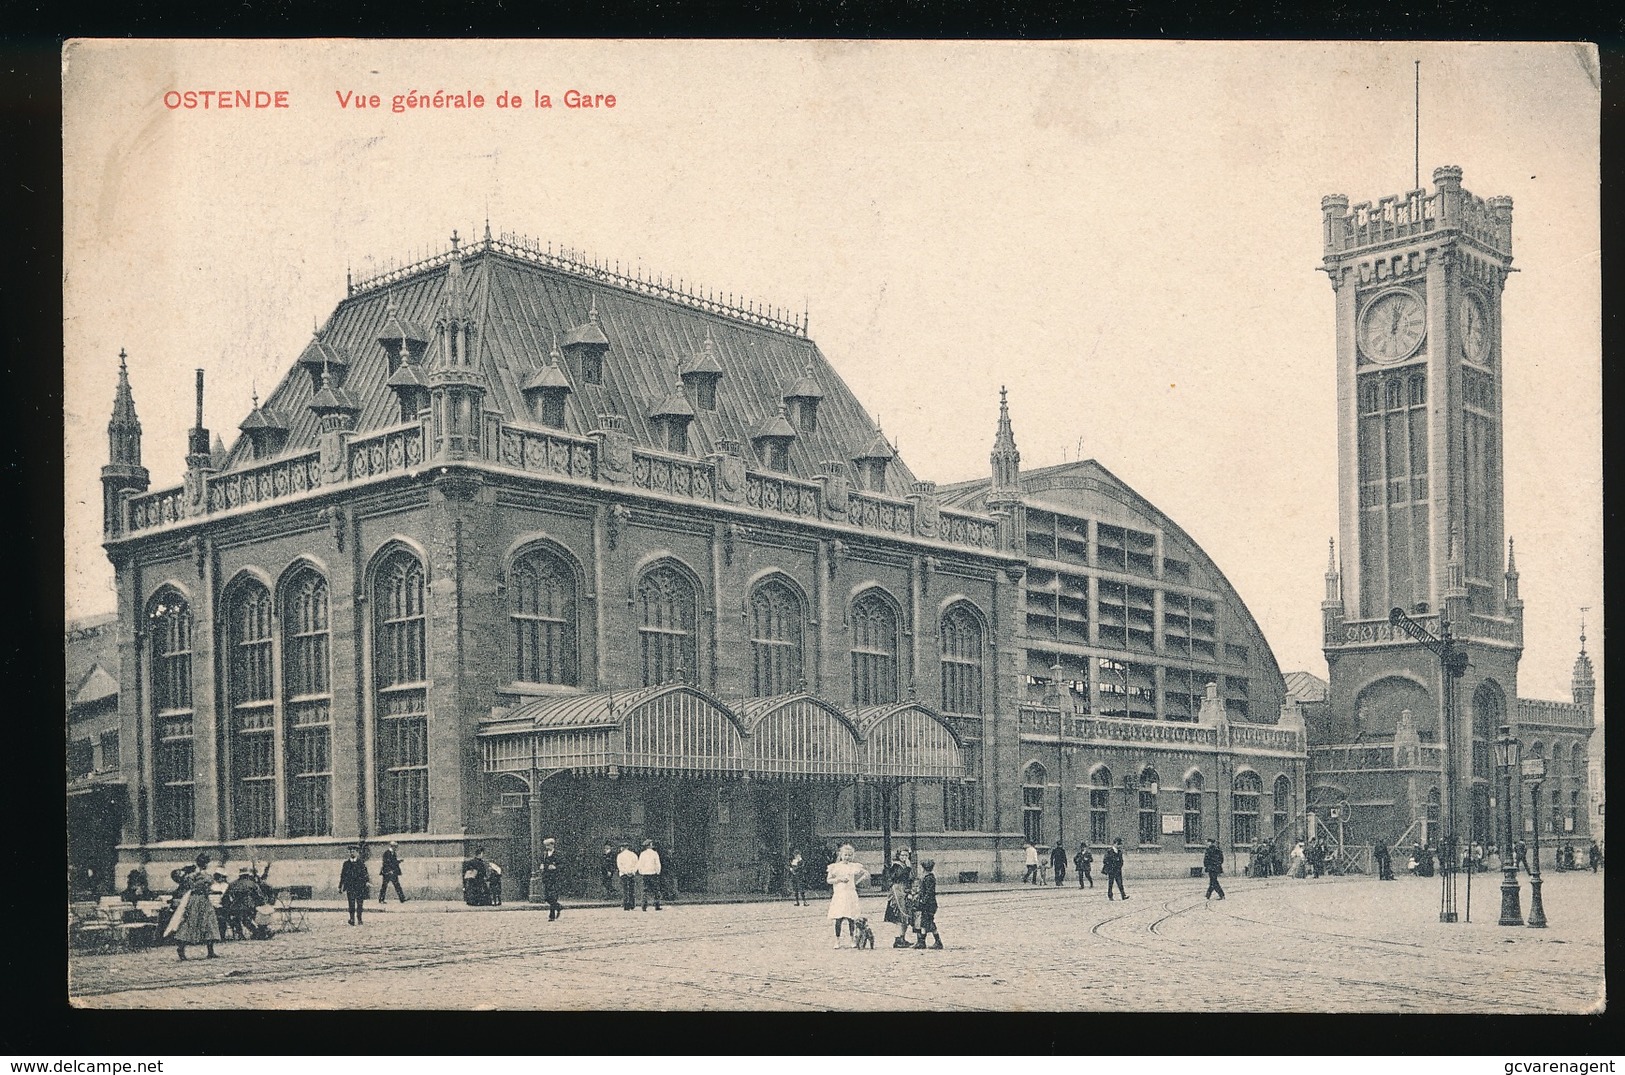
x=926 y=904
x=798 y=884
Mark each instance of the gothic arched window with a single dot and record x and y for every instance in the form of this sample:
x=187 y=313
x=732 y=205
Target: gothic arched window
x=1283 y=804
x=874 y=650
x=400 y=678
x=1100 y=799
x=170 y=629
x=1033 y=779
x=1244 y=808
x=775 y=639
x=667 y=615
x=252 y=732
x=542 y=609
x=961 y=660
x=307 y=704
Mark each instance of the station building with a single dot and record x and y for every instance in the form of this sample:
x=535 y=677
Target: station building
x=523 y=547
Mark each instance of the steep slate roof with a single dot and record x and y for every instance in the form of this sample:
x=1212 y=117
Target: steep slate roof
x=1305 y=687
x=518 y=307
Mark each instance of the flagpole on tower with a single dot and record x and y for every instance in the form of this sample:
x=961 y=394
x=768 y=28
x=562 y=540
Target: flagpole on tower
x=1416 y=157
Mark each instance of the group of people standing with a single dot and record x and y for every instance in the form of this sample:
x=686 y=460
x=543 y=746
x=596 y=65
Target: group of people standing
x=911 y=898
x=193 y=918
x=641 y=875
x=1111 y=866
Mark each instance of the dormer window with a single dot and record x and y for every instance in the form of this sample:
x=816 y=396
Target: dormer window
x=802 y=401
x=403 y=341
x=321 y=357
x=700 y=373
x=772 y=440
x=585 y=346
x=872 y=461
x=265 y=430
x=546 y=391
x=669 y=420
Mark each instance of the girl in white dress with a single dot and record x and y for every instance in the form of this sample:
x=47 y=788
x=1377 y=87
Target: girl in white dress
x=844 y=877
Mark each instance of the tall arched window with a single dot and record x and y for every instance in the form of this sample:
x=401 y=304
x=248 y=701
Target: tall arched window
x=1100 y=801
x=1033 y=779
x=253 y=712
x=961 y=661
x=307 y=705
x=170 y=627
x=1193 y=808
x=1432 y=817
x=400 y=675
x=874 y=650
x=1489 y=713
x=1244 y=808
x=775 y=639
x=667 y=608
x=1150 y=830
x=542 y=609
x=1283 y=804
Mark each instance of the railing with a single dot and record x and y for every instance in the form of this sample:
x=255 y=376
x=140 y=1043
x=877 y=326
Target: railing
x=390 y=450
x=1492 y=628
x=1398 y=216
x=1040 y=721
x=968 y=530
x=1542 y=711
x=542 y=452
x=269 y=481
x=1371 y=632
x=1264 y=737
x=1365 y=759
x=157 y=508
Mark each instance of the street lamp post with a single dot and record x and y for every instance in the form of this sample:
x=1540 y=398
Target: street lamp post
x=1452 y=666
x=1506 y=753
x=1534 y=770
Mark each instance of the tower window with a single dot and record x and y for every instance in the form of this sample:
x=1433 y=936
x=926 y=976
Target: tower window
x=543 y=615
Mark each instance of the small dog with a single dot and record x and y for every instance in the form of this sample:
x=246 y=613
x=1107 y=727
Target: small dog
x=865 y=936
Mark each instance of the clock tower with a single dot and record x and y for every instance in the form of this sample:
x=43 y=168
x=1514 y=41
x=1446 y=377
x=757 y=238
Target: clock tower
x=1417 y=279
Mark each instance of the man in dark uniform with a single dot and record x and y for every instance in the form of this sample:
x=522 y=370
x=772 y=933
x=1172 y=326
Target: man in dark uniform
x=1385 y=863
x=354 y=880
x=608 y=871
x=1213 y=863
x=549 y=869
x=389 y=872
x=1112 y=867
x=1084 y=860
x=1057 y=862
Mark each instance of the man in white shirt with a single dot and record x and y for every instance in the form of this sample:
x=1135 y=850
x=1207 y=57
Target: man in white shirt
x=649 y=872
x=626 y=864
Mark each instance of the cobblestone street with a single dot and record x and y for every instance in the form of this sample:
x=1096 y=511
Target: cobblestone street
x=1332 y=945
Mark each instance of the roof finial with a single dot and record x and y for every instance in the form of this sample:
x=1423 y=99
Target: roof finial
x=487 y=225
x=1512 y=558
x=254 y=393
x=553 y=356
x=121 y=357
x=1331 y=556
x=592 y=308
x=454 y=240
x=1583 y=610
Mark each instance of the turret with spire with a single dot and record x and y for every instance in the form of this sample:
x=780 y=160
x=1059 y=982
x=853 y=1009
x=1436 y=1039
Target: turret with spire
x=1331 y=606
x=1004 y=495
x=123 y=473
x=1583 y=682
x=1455 y=592
x=456 y=383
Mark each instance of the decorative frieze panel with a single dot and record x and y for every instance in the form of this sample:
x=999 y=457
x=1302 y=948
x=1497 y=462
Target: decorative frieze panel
x=967 y=530
x=156 y=509
x=773 y=493
x=399 y=449
x=679 y=477
x=887 y=516
x=1096 y=729
x=1263 y=737
x=1373 y=632
x=284 y=477
x=545 y=453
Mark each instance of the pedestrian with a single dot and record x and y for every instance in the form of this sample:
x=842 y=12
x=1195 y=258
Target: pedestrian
x=241 y=902
x=1213 y=863
x=493 y=883
x=1297 y=861
x=925 y=901
x=900 y=877
x=354 y=881
x=1030 y=853
x=649 y=873
x=135 y=887
x=389 y=873
x=1523 y=855
x=1594 y=856
x=845 y=875
x=475 y=888
x=1112 y=867
x=626 y=865
x=194 y=920
x=607 y=871
x=548 y=869
x=1385 y=865
x=798 y=884
x=1084 y=860
x=1057 y=863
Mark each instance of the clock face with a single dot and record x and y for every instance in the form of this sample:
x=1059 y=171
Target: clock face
x=1475 y=330
x=1392 y=326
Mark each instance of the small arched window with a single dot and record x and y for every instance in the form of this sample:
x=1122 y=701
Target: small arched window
x=1150 y=829
x=1419 y=390
x=307 y=705
x=775 y=639
x=1100 y=799
x=170 y=630
x=1244 y=795
x=1033 y=779
x=874 y=650
x=961 y=661
x=1193 y=808
x=1283 y=805
x=252 y=733
x=667 y=617
x=542 y=612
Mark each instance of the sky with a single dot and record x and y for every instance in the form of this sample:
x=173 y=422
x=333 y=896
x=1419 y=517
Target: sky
x=1125 y=234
